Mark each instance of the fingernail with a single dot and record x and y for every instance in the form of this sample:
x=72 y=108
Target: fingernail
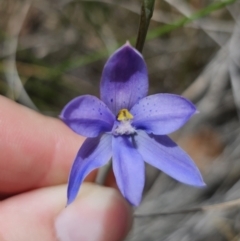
x=98 y=214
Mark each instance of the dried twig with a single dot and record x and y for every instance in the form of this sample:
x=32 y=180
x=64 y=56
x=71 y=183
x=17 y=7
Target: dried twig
x=234 y=66
x=218 y=206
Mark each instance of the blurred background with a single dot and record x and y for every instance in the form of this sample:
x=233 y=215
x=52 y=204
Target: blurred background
x=54 y=50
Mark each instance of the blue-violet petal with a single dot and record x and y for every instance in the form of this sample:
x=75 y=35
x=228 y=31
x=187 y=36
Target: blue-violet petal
x=87 y=116
x=128 y=167
x=162 y=114
x=94 y=153
x=162 y=153
x=124 y=79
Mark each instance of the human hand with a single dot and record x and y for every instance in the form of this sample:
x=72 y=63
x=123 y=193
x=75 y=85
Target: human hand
x=36 y=153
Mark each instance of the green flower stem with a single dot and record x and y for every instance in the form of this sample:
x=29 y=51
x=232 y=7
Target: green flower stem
x=146 y=15
x=103 y=172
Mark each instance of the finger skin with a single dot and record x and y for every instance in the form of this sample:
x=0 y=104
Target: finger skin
x=98 y=214
x=35 y=150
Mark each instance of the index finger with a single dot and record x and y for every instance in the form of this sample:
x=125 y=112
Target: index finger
x=35 y=150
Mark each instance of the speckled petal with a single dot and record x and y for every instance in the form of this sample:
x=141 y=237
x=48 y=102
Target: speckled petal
x=162 y=114
x=124 y=79
x=162 y=153
x=87 y=116
x=94 y=153
x=128 y=167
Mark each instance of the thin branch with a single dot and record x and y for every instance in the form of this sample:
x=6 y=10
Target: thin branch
x=218 y=206
x=146 y=15
x=234 y=66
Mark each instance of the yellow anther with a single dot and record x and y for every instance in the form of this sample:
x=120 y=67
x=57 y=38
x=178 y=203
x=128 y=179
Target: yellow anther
x=124 y=115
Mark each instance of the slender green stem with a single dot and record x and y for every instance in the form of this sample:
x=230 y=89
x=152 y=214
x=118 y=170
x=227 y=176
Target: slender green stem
x=103 y=172
x=146 y=15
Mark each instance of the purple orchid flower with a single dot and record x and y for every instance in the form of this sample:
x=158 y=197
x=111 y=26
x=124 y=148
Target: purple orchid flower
x=129 y=127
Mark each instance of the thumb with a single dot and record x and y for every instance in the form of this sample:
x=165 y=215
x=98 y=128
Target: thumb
x=98 y=214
